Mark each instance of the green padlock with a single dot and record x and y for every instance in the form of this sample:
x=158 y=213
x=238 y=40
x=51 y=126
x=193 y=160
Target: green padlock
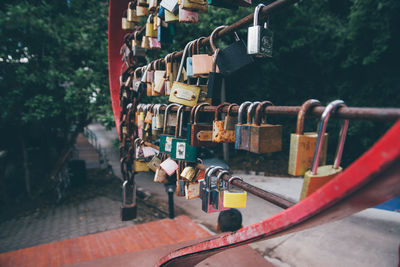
x=181 y=148
x=166 y=139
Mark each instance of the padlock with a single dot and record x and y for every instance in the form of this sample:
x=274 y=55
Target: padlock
x=181 y=148
x=230 y=121
x=202 y=182
x=131 y=13
x=180 y=183
x=206 y=190
x=150 y=32
x=202 y=63
x=264 y=137
x=152 y=5
x=166 y=137
x=201 y=133
x=154 y=43
x=259 y=39
x=155 y=132
x=245 y=128
x=189 y=62
x=218 y=193
x=318 y=176
x=145 y=42
x=234 y=198
x=159 y=79
x=128 y=211
x=192 y=190
x=142 y=11
x=137 y=50
x=127 y=25
x=171 y=17
x=187 y=16
x=189 y=173
x=170 y=5
x=200 y=6
x=234 y=57
x=182 y=93
x=160 y=175
x=302 y=145
x=220 y=135
x=160 y=117
x=154 y=163
x=169 y=166
x=215 y=81
x=139 y=163
x=163 y=35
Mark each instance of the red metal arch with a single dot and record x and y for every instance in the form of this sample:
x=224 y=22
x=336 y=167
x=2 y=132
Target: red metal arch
x=372 y=179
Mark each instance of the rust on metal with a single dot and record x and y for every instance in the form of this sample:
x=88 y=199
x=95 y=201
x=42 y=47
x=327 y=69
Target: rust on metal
x=350 y=113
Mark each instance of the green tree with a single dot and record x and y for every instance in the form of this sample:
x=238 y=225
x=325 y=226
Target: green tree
x=53 y=81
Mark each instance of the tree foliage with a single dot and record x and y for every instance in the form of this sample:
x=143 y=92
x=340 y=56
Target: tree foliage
x=53 y=78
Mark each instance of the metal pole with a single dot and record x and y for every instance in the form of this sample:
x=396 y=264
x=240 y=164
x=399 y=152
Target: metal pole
x=350 y=113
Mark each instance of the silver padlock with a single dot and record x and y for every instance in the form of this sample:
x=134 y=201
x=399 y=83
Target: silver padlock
x=259 y=39
x=218 y=193
x=206 y=203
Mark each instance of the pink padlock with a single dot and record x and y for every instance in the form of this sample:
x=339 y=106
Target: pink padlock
x=155 y=44
x=169 y=166
x=186 y=16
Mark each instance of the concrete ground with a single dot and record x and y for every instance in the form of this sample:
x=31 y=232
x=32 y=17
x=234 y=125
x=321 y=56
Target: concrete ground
x=368 y=238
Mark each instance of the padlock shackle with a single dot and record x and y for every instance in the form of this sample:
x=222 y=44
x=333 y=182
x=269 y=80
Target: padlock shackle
x=196 y=111
x=144 y=73
x=179 y=119
x=330 y=108
x=218 y=109
x=231 y=180
x=306 y=107
x=256 y=13
x=219 y=177
x=178 y=76
x=242 y=107
x=213 y=47
x=192 y=113
x=208 y=177
x=215 y=56
x=166 y=115
x=260 y=111
x=250 y=111
x=228 y=113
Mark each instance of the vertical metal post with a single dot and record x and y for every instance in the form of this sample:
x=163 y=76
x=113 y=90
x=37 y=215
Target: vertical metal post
x=225 y=146
x=170 y=189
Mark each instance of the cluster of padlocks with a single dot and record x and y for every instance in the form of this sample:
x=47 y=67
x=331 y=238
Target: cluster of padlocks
x=176 y=159
x=193 y=80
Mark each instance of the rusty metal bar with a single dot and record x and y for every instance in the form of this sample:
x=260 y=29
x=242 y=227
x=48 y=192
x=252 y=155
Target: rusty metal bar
x=351 y=113
x=263 y=194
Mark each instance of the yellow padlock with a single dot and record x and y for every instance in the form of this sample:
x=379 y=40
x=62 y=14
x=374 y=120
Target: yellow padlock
x=318 y=176
x=150 y=32
x=234 y=198
x=302 y=145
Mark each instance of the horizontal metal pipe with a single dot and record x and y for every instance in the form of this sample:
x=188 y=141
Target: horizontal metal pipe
x=261 y=193
x=359 y=113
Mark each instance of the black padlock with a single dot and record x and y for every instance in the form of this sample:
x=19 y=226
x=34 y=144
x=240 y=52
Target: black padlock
x=128 y=211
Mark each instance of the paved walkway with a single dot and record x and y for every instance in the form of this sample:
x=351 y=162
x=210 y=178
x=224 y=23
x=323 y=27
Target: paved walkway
x=92 y=208
x=368 y=238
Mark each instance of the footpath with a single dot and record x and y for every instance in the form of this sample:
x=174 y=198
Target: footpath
x=368 y=238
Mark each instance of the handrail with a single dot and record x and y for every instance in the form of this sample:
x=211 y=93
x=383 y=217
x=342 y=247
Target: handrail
x=350 y=113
